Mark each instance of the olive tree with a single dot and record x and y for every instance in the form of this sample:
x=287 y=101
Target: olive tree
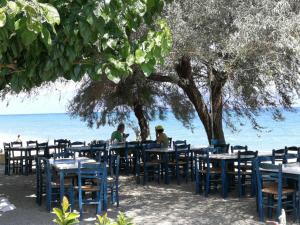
x=234 y=59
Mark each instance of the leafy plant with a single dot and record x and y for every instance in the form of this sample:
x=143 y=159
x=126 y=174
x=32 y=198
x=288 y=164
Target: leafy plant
x=64 y=216
x=121 y=220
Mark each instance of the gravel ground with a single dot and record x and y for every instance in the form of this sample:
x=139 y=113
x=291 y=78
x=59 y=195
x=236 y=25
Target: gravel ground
x=150 y=204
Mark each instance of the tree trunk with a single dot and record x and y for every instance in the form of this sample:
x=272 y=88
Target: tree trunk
x=184 y=71
x=217 y=109
x=188 y=85
x=144 y=128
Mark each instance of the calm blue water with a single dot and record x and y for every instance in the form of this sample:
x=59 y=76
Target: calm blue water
x=53 y=126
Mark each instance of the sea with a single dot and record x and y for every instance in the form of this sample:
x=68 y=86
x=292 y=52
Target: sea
x=47 y=127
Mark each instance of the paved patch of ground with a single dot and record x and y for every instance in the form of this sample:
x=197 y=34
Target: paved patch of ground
x=150 y=204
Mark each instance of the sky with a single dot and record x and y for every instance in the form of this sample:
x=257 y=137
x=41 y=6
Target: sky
x=52 y=99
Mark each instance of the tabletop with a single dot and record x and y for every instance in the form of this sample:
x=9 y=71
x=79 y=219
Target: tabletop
x=121 y=146
x=160 y=150
x=230 y=156
x=69 y=163
x=23 y=148
x=291 y=168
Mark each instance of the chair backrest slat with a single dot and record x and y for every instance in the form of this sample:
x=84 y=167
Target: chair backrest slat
x=237 y=148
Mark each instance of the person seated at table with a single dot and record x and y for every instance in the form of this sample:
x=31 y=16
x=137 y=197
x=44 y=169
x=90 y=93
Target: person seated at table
x=161 y=137
x=119 y=135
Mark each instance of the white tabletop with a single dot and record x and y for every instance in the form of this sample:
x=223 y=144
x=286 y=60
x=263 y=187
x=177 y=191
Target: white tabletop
x=291 y=168
x=228 y=156
x=69 y=163
x=160 y=150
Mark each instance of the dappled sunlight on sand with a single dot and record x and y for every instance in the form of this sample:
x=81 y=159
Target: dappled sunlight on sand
x=150 y=204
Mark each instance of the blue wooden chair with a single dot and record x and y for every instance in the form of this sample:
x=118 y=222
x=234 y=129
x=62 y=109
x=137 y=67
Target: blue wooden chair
x=245 y=172
x=206 y=170
x=170 y=142
x=270 y=189
x=99 y=152
x=279 y=156
x=49 y=182
x=63 y=154
x=97 y=174
x=147 y=164
x=181 y=160
x=78 y=144
x=113 y=179
x=222 y=148
x=238 y=148
x=31 y=153
x=61 y=145
x=6 y=147
x=130 y=155
x=43 y=150
x=293 y=153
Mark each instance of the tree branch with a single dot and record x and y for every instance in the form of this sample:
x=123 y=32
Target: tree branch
x=160 y=78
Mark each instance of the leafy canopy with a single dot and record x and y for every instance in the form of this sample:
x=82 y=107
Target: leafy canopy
x=43 y=41
x=252 y=46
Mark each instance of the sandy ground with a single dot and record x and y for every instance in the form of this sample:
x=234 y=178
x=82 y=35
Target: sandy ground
x=150 y=204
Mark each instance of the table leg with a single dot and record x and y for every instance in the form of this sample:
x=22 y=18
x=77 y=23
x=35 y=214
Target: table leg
x=26 y=162
x=6 y=162
x=166 y=168
x=223 y=176
x=62 y=185
x=298 y=210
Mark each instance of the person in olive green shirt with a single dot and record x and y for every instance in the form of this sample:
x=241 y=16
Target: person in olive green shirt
x=161 y=137
x=119 y=135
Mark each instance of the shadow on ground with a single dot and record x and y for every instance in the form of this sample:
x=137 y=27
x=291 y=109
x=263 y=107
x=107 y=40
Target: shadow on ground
x=150 y=204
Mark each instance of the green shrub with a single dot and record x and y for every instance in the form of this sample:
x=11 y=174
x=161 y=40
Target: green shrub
x=64 y=216
x=121 y=220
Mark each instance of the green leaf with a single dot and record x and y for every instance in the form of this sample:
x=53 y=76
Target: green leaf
x=2 y=19
x=28 y=37
x=46 y=36
x=76 y=76
x=33 y=26
x=139 y=56
x=90 y=20
x=51 y=13
x=13 y=8
x=130 y=60
x=85 y=31
x=147 y=68
x=59 y=213
x=65 y=204
x=113 y=75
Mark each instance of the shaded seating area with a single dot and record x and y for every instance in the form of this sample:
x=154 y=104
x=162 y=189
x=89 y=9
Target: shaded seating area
x=218 y=170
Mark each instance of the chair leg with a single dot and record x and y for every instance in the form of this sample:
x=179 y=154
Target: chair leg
x=177 y=174
x=207 y=184
x=80 y=203
x=71 y=197
x=295 y=211
x=270 y=204
x=197 y=183
x=260 y=207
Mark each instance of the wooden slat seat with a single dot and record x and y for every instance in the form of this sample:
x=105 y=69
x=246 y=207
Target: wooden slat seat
x=212 y=170
x=274 y=190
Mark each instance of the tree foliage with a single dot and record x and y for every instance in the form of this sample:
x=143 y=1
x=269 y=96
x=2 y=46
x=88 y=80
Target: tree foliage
x=244 y=54
x=94 y=37
x=104 y=102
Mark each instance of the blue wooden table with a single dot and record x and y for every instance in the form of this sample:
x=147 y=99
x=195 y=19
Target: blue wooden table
x=165 y=152
x=67 y=166
x=225 y=159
